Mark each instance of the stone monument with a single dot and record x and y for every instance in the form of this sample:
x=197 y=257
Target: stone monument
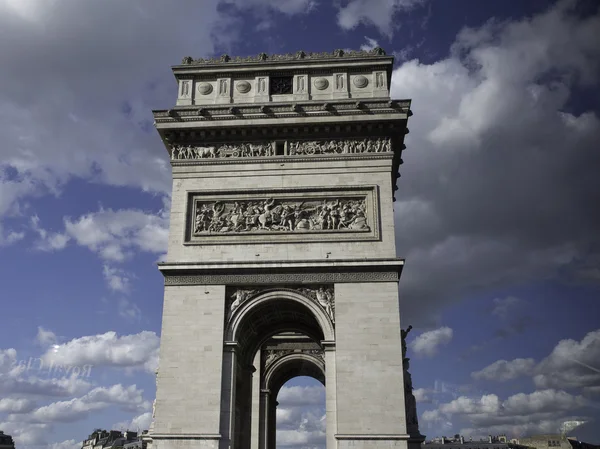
x=281 y=259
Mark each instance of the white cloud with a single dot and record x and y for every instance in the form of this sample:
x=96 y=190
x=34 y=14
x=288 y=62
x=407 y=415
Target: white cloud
x=128 y=398
x=378 y=13
x=289 y=7
x=428 y=343
x=26 y=434
x=46 y=337
x=571 y=364
x=9 y=405
x=10 y=238
x=48 y=241
x=421 y=395
x=25 y=377
x=503 y=370
x=503 y=101
x=141 y=422
x=301 y=396
x=117 y=279
x=539 y=411
x=67 y=444
x=114 y=235
x=139 y=351
x=309 y=431
x=369 y=45
x=56 y=127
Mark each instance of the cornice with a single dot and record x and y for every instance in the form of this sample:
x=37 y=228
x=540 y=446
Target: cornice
x=241 y=111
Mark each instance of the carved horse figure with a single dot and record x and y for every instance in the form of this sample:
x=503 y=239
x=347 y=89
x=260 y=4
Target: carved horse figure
x=205 y=152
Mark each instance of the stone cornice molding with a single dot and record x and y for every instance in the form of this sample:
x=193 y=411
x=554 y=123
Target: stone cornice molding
x=261 y=273
x=204 y=113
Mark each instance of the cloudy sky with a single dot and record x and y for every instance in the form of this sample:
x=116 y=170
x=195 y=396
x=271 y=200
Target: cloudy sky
x=497 y=213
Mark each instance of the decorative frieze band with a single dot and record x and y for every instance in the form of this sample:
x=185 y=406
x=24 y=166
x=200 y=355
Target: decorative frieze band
x=281 y=278
x=293 y=148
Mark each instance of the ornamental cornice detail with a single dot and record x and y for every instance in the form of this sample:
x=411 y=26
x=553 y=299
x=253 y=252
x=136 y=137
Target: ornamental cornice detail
x=365 y=103
x=282 y=278
x=298 y=56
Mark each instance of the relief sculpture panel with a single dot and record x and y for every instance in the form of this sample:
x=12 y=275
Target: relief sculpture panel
x=280 y=215
x=296 y=215
x=294 y=148
x=222 y=151
x=349 y=146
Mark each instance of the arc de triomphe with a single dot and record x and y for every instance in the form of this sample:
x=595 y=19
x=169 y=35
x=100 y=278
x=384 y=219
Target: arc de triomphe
x=281 y=259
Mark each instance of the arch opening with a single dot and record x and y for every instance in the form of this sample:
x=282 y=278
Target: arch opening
x=300 y=415
x=278 y=336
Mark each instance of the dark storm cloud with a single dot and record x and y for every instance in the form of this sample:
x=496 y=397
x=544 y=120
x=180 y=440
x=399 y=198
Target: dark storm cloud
x=500 y=183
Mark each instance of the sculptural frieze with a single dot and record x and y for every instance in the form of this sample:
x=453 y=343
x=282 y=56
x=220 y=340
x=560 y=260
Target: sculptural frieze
x=280 y=215
x=222 y=151
x=348 y=146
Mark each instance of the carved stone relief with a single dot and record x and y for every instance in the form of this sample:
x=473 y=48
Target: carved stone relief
x=322 y=295
x=321 y=83
x=205 y=88
x=243 y=87
x=361 y=81
x=347 y=214
x=270 y=356
x=295 y=148
x=222 y=151
x=309 y=147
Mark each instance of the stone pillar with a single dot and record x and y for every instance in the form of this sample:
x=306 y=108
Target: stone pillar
x=228 y=397
x=256 y=403
x=265 y=408
x=190 y=378
x=368 y=363
x=330 y=395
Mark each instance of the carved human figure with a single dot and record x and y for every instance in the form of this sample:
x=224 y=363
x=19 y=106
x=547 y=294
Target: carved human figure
x=325 y=299
x=239 y=296
x=270 y=356
x=153 y=408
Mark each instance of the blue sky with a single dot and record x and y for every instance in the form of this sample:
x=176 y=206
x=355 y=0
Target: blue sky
x=496 y=212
